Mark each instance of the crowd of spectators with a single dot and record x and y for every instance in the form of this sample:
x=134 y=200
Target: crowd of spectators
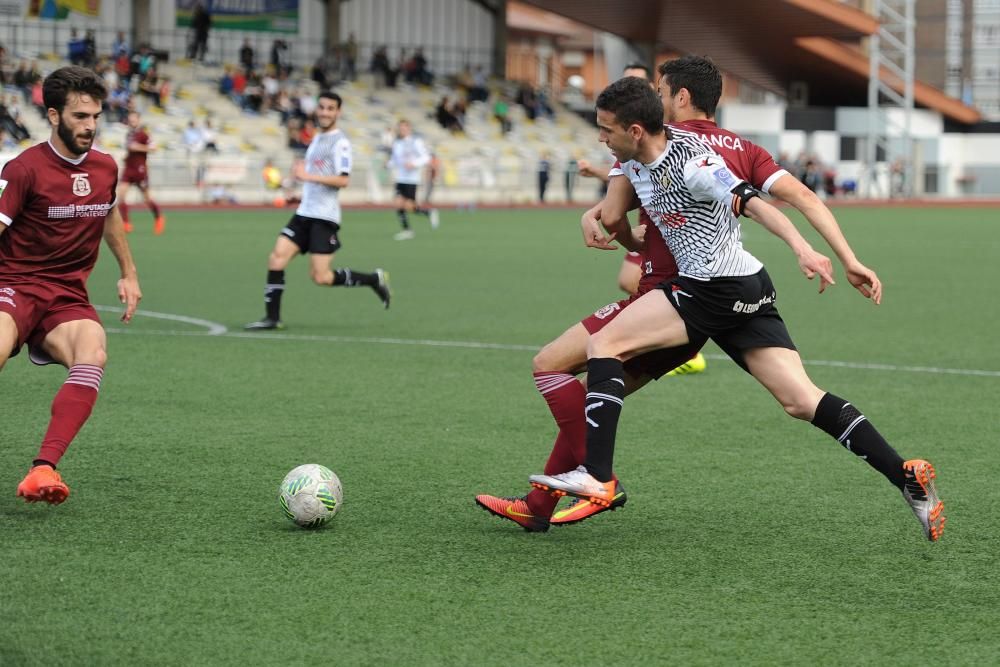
x=814 y=174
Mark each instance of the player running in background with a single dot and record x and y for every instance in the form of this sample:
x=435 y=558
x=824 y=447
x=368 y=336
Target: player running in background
x=315 y=227
x=57 y=200
x=722 y=292
x=407 y=160
x=138 y=145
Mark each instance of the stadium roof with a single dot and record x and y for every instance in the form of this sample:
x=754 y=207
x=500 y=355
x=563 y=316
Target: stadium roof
x=770 y=43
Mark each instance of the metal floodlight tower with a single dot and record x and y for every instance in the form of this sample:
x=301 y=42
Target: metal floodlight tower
x=890 y=114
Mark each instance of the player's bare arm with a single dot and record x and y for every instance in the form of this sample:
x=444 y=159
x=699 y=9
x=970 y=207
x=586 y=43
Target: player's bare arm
x=811 y=262
x=129 y=292
x=592 y=171
x=614 y=218
x=790 y=190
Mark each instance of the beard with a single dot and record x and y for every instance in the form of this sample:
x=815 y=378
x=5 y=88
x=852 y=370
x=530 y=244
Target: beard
x=69 y=140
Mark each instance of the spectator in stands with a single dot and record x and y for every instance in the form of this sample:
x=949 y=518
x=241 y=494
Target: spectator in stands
x=271 y=88
x=253 y=94
x=11 y=125
x=150 y=87
x=120 y=47
x=89 y=49
x=3 y=66
x=811 y=177
x=445 y=117
x=380 y=66
x=118 y=101
x=23 y=79
x=201 y=22
x=572 y=171
x=108 y=73
x=501 y=111
x=38 y=99
x=280 y=59
x=526 y=98
x=544 y=167
x=247 y=56
x=307 y=133
x=226 y=82
x=192 y=138
x=6 y=142
x=77 y=49
x=239 y=87
x=350 y=60
x=416 y=69
x=208 y=135
x=294 y=132
x=479 y=91
x=283 y=105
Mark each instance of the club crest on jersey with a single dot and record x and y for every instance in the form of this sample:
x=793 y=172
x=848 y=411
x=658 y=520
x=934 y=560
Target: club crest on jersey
x=665 y=181
x=608 y=310
x=81 y=185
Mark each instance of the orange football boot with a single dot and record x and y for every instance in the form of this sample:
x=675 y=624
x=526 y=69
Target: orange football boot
x=43 y=483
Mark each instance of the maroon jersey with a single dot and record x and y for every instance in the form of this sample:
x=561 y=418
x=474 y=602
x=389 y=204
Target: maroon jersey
x=54 y=209
x=744 y=158
x=656 y=261
x=135 y=161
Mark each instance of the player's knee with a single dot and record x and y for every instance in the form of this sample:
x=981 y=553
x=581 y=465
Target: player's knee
x=799 y=408
x=543 y=362
x=92 y=356
x=321 y=277
x=599 y=346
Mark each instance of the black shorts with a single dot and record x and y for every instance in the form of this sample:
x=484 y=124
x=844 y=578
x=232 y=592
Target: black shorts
x=407 y=191
x=738 y=312
x=313 y=235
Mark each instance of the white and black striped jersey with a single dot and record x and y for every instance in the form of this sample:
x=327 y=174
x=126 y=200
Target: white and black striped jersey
x=329 y=154
x=411 y=151
x=687 y=193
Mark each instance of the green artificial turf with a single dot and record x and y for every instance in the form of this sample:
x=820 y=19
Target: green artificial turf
x=748 y=537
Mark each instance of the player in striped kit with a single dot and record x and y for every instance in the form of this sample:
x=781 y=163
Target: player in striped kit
x=408 y=158
x=722 y=292
x=315 y=226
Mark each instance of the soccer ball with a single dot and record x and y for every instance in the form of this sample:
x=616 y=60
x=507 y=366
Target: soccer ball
x=310 y=495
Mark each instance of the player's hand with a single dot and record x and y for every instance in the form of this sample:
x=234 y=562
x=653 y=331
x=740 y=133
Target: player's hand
x=594 y=235
x=586 y=169
x=299 y=170
x=129 y=294
x=813 y=263
x=864 y=280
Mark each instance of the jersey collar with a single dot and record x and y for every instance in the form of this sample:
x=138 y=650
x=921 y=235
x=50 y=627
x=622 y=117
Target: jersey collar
x=77 y=161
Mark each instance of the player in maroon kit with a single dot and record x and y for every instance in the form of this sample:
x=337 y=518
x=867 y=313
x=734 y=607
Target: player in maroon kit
x=557 y=364
x=138 y=145
x=57 y=200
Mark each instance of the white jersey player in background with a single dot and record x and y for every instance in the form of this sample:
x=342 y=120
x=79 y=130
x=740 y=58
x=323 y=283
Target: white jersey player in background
x=722 y=292
x=315 y=227
x=407 y=160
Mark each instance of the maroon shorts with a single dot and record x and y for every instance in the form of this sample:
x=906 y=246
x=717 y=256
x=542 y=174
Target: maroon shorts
x=655 y=364
x=38 y=308
x=136 y=176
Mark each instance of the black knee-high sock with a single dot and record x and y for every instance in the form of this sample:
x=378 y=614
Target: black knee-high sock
x=272 y=294
x=605 y=393
x=422 y=211
x=852 y=429
x=403 y=220
x=352 y=278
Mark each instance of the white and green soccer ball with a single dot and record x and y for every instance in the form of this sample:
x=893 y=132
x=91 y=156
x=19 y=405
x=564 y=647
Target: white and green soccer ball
x=311 y=495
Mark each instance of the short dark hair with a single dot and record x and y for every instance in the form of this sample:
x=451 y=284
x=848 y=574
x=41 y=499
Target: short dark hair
x=633 y=102
x=330 y=95
x=58 y=86
x=699 y=75
x=644 y=68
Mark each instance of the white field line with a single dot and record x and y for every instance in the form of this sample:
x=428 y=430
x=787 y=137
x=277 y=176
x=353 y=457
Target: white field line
x=217 y=329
